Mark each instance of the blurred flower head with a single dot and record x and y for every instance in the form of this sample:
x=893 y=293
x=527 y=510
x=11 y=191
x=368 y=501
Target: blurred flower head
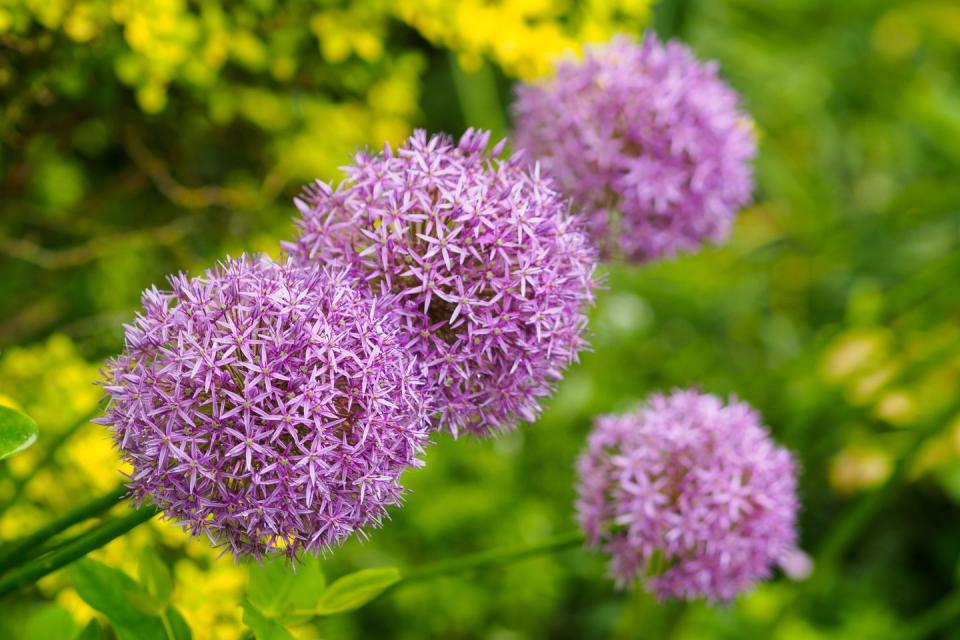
x=268 y=407
x=690 y=494
x=651 y=144
x=491 y=273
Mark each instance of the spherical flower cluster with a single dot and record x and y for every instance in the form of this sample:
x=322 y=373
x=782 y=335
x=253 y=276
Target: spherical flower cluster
x=692 y=485
x=491 y=272
x=268 y=407
x=650 y=143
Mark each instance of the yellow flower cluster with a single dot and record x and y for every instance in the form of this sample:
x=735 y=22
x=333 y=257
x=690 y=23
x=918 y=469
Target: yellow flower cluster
x=525 y=37
x=158 y=46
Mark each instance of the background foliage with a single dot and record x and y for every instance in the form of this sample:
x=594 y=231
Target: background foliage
x=138 y=138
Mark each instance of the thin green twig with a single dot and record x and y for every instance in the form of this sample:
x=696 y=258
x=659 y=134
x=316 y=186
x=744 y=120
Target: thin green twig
x=491 y=558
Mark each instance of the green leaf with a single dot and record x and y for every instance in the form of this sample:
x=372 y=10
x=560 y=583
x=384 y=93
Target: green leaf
x=155 y=577
x=145 y=603
x=48 y=622
x=91 y=631
x=308 y=584
x=270 y=586
x=17 y=431
x=106 y=589
x=355 y=590
x=179 y=626
x=263 y=627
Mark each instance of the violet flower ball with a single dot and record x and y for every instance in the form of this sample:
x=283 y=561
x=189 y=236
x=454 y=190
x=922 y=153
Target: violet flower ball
x=689 y=495
x=651 y=144
x=491 y=272
x=268 y=407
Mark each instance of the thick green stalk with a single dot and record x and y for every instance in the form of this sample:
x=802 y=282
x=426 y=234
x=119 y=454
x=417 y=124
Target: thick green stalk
x=491 y=558
x=84 y=544
x=14 y=552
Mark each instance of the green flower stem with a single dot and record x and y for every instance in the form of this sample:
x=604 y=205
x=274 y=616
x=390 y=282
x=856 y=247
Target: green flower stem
x=491 y=558
x=20 y=484
x=16 y=551
x=81 y=546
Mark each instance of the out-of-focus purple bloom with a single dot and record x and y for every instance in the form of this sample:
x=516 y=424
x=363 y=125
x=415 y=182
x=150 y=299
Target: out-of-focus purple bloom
x=650 y=143
x=492 y=273
x=691 y=491
x=268 y=407
x=796 y=565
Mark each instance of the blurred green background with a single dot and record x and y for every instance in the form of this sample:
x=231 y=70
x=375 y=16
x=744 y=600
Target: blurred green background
x=143 y=137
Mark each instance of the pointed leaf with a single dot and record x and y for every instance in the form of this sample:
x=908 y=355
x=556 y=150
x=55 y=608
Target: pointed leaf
x=50 y=621
x=105 y=589
x=145 y=603
x=355 y=590
x=17 y=431
x=270 y=586
x=308 y=584
x=263 y=627
x=155 y=577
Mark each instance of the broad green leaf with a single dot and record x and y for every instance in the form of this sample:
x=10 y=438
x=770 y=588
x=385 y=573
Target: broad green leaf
x=355 y=590
x=308 y=584
x=263 y=627
x=91 y=631
x=270 y=586
x=155 y=577
x=105 y=589
x=48 y=622
x=17 y=431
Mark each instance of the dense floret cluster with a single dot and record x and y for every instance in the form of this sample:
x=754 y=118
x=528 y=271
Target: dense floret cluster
x=269 y=407
x=649 y=142
x=690 y=490
x=491 y=272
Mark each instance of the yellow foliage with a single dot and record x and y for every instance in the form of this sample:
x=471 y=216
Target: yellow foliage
x=525 y=37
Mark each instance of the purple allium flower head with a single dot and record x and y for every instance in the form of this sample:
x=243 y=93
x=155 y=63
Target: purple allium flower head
x=650 y=143
x=694 y=486
x=268 y=407
x=492 y=273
